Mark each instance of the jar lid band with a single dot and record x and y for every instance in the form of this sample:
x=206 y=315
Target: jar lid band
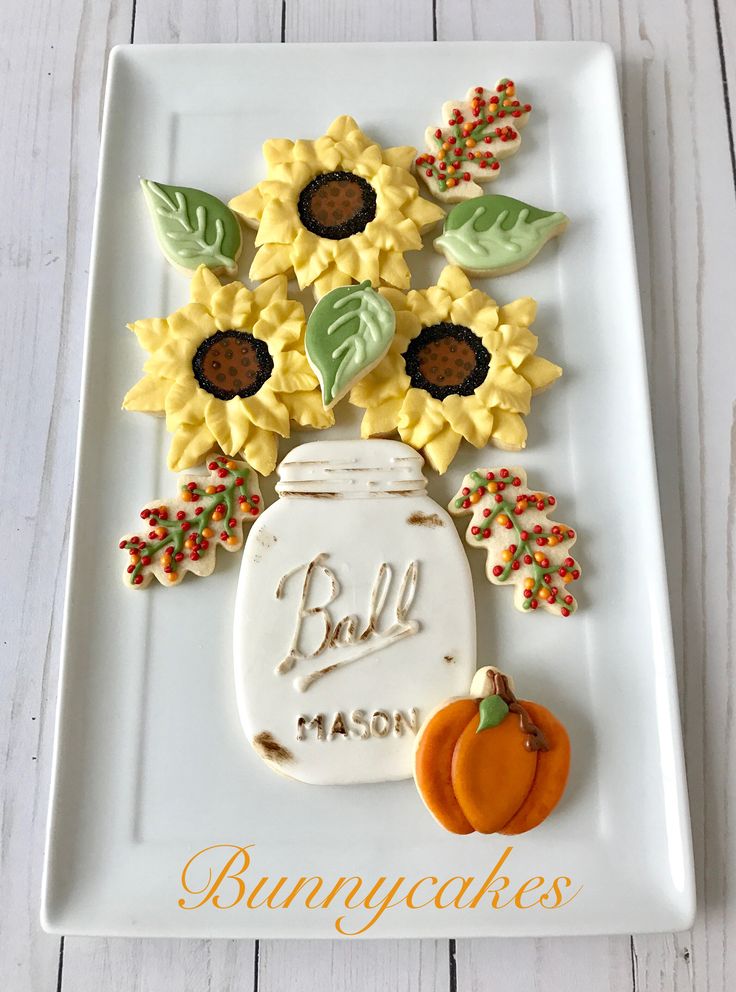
x=351 y=468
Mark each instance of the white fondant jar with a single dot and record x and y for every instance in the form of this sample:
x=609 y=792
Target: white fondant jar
x=354 y=615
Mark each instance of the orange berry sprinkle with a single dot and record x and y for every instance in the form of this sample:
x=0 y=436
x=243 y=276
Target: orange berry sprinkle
x=492 y=487
x=172 y=576
x=186 y=496
x=470 y=142
x=506 y=555
x=538 y=556
x=210 y=490
x=217 y=515
x=451 y=182
x=208 y=532
x=231 y=464
x=232 y=540
x=543 y=593
x=502 y=520
x=567 y=578
x=475 y=498
x=528 y=583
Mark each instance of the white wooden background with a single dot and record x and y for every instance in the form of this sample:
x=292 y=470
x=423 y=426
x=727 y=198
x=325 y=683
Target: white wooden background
x=677 y=66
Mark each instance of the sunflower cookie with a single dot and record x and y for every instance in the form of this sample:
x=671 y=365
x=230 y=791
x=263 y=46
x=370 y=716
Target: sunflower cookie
x=228 y=369
x=336 y=210
x=481 y=130
x=460 y=366
x=491 y=762
x=182 y=534
x=494 y=235
x=526 y=549
x=194 y=228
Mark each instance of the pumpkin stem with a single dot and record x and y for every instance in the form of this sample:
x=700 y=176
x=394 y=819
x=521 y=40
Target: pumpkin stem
x=534 y=739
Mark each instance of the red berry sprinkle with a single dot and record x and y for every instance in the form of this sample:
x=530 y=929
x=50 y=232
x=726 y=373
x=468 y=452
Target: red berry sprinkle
x=528 y=559
x=145 y=514
x=565 y=612
x=123 y=544
x=497 y=570
x=499 y=498
x=490 y=476
x=569 y=600
x=487 y=533
x=475 y=530
x=186 y=526
x=179 y=556
x=515 y=565
x=180 y=515
x=194 y=556
x=145 y=560
x=504 y=473
x=524 y=535
x=254 y=511
x=138 y=579
x=527 y=594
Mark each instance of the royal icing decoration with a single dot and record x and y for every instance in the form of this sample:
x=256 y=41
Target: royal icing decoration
x=525 y=548
x=348 y=333
x=182 y=534
x=459 y=367
x=491 y=762
x=481 y=130
x=194 y=228
x=494 y=235
x=336 y=210
x=354 y=592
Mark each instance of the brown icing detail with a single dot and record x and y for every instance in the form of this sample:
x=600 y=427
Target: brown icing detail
x=305 y=723
x=446 y=362
x=338 y=727
x=449 y=658
x=534 y=739
x=311 y=495
x=337 y=201
x=270 y=749
x=419 y=519
x=315 y=676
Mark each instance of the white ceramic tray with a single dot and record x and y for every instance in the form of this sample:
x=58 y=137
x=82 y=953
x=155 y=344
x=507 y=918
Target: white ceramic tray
x=151 y=765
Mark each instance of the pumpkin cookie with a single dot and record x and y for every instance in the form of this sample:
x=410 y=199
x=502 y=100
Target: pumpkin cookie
x=490 y=762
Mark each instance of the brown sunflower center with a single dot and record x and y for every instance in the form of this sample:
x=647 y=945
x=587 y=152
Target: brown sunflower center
x=447 y=360
x=232 y=363
x=337 y=205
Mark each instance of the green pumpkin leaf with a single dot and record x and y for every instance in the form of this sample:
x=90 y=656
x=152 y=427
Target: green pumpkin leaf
x=193 y=227
x=348 y=333
x=496 y=232
x=492 y=711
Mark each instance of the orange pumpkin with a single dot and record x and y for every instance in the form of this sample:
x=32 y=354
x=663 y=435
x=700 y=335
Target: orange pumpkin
x=491 y=762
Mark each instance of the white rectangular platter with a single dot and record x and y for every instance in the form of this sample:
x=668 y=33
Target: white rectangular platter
x=151 y=765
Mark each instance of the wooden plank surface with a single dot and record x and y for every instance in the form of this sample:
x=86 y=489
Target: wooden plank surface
x=677 y=66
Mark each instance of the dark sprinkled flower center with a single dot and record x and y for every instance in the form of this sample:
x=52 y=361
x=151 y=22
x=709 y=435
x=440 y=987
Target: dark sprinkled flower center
x=232 y=363
x=447 y=360
x=337 y=205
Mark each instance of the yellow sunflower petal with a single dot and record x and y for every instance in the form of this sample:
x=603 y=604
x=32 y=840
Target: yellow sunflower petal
x=331 y=278
x=267 y=411
x=421 y=418
x=475 y=310
x=189 y=445
x=172 y=359
x=518 y=342
x=203 y=286
x=430 y=305
x=270 y=291
x=218 y=422
x=186 y=403
x=505 y=388
x=440 y=451
x=281 y=325
x=279 y=222
x=381 y=419
x=291 y=373
x=521 y=311
x=231 y=306
x=307 y=410
x=509 y=430
x=539 y=373
x=194 y=322
x=454 y=281
x=270 y=260
x=386 y=381
x=395 y=187
x=261 y=451
x=248 y=205
x=396 y=298
x=468 y=416
x=394 y=232
x=360 y=156
x=278 y=150
x=241 y=426
x=151 y=332
x=401 y=156
x=424 y=214
x=394 y=270
x=148 y=395
x=341 y=127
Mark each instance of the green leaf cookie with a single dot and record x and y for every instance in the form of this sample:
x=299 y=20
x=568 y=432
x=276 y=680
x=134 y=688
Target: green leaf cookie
x=194 y=228
x=348 y=333
x=492 y=711
x=494 y=234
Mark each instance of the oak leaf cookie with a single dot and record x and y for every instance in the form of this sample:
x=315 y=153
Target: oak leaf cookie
x=182 y=534
x=336 y=210
x=459 y=366
x=481 y=130
x=526 y=549
x=228 y=369
x=491 y=762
